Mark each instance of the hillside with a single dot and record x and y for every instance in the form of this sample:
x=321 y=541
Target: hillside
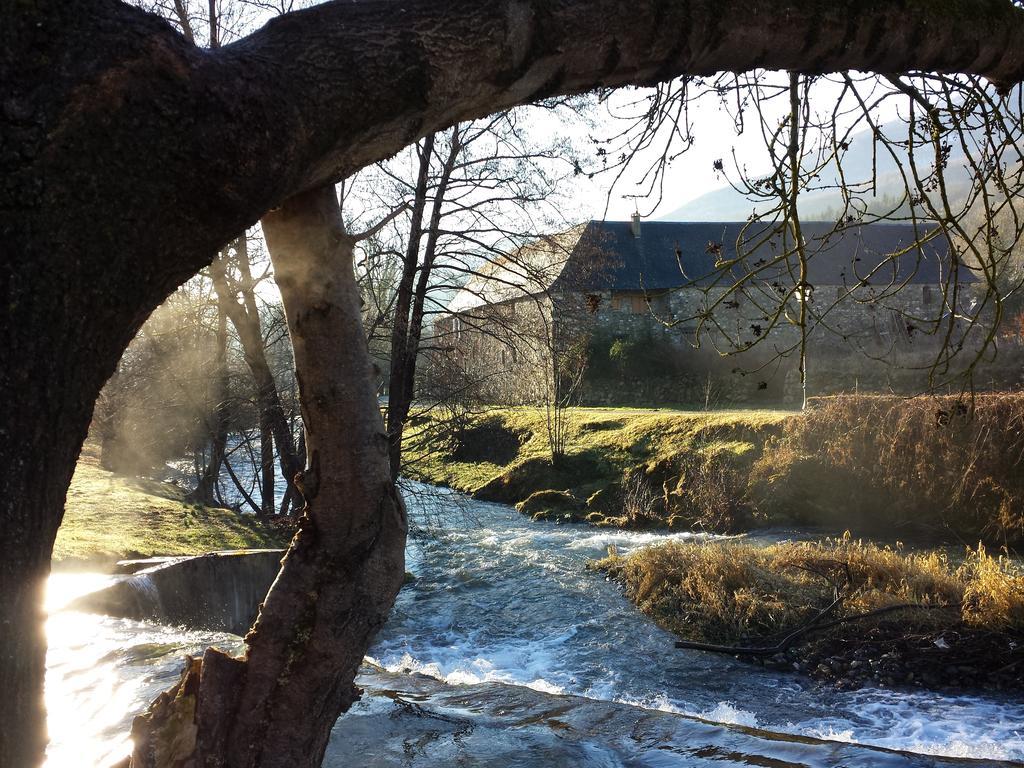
x=859 y=162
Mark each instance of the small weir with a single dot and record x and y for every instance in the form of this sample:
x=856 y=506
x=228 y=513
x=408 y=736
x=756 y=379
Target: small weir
x=220 y=591
x=146 y=596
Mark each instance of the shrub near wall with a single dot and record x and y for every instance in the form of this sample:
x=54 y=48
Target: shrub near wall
x=647 y=370
x=888 y=463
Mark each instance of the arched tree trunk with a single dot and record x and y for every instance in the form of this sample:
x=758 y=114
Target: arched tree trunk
x=128 y=157
x=277 y=705
x=35 y=470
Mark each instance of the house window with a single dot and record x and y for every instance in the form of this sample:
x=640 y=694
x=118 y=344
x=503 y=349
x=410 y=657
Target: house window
x=926 y=295
x=634 y=303
x=593 y=302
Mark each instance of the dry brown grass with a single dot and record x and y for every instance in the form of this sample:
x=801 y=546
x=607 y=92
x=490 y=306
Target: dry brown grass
x=993 y=596
x=884 y=462
x=732 y=592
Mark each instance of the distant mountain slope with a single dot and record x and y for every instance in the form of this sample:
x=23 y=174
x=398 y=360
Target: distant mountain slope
x=726 y=204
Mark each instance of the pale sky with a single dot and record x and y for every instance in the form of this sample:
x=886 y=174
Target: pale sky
x=692 y=174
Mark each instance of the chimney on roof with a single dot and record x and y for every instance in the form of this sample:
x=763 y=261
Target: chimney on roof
x=635 y=225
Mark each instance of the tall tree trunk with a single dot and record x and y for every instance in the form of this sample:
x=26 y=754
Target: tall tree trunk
x=205 y=492
x=397 y=412
x=404 y=378
x=245 y=318
x=276 y=705
x=266 y=468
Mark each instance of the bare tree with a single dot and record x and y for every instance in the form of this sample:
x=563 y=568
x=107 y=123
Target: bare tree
x=236 y=292
x=563 y=382
x=469 y=192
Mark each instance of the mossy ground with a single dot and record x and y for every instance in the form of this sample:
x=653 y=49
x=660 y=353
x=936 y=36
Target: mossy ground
x=966 y=628
x=109 y=517
x=611 y=452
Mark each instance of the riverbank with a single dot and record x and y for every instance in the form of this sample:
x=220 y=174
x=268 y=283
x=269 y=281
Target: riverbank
x=627 y=468
x=940 y=468
x=110 y=517
x=841 y=611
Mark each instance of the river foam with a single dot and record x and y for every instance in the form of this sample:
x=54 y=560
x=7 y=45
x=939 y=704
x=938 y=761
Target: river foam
x=503 y=599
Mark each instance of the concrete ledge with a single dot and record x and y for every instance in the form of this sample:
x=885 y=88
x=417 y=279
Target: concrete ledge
x=220 y=591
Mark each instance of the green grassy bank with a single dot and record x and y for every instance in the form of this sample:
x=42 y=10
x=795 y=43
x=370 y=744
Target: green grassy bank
x=110 y=517
x=901 y=467
x=622 y=467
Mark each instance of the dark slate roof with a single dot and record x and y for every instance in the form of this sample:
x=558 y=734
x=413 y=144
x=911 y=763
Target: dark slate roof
x=671 y=254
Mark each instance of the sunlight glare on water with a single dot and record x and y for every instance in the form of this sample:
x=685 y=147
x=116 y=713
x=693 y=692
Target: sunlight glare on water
x=83 y=700
x=100 y=670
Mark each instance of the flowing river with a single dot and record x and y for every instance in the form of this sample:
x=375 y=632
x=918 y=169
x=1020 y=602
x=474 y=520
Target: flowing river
x=506 y=652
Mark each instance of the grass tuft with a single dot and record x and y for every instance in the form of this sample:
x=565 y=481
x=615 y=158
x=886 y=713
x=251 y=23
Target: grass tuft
x=881 y=463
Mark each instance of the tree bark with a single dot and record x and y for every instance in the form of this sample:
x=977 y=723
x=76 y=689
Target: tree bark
x=128 y=158
x=346 y=564
x=42 y=425
x=33 y=479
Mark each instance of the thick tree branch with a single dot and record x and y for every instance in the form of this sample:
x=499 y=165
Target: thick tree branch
x=425 y=65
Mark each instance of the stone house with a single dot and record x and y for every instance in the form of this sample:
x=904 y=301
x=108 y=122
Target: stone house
x=683 y=312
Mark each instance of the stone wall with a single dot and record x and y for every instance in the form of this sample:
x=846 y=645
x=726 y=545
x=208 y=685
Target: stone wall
x=730 y=348
x=496 y=353
x=700 y=347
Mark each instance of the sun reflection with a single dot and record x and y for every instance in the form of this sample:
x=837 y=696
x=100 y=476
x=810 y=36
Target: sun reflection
x=101 y=670
x=62 y=588
x=86 y=700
